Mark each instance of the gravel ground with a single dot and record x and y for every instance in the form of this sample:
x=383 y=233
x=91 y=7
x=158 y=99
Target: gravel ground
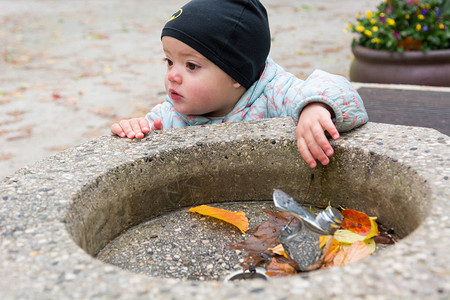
x=186 y=245
x=71 y=68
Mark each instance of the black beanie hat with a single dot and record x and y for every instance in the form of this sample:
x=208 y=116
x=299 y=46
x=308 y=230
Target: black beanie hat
x=233 y=34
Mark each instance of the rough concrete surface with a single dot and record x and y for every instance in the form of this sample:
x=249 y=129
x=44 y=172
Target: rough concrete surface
x=39 y=258
x=70 y=68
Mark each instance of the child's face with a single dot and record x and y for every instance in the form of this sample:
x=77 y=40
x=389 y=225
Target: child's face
x=195 y=84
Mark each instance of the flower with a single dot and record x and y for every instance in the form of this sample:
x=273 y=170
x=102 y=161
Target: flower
x=368 y=33
x=402 y=25
x=375 y=40
x=390 y=21
x=359 y=28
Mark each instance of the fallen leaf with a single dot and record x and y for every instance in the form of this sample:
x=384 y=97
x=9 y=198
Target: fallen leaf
x=238 y=219
x=56 y=96
x=6 y=156
x=384 y=239
x=279 y=249
x=347 y=236
x=355 y=252
x=277 y=269
x=58 y=148
x=264 y=236
x=21 y=133
x=16 y=113
x=370 y=243
x=356 y=221
x=332 y=251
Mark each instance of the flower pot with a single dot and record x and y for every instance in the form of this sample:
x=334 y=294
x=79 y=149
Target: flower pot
x=410 y=67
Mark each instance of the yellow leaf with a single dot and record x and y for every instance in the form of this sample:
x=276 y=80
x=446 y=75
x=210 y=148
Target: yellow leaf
x=279 y=249
x=347 y=236
x=237 y=219
x=370 y=243
x=323 y=239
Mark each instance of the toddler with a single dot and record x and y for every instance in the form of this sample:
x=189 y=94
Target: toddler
x=218 y=70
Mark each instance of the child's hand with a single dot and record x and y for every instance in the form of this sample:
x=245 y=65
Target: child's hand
x=134 y=128
x=312 y=143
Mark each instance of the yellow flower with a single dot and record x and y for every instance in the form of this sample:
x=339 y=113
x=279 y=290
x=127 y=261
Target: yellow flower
x=421 y=17
x=359 y=28
x=390 y=21
x=345 y=30
x=382 y=15
x=375 y=28
x=441 y=26
x=407 y=16
x=358 y=16
x=369 y=14
x=418 y=27
x=373 y=21
x=375 y=40
x=368 y=33
x=350 y=26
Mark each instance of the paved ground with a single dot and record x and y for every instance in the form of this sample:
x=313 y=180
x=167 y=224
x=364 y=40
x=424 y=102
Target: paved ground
x=70 y=68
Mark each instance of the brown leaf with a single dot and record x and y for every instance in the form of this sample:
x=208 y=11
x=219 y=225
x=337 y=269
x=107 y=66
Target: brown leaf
x=384 y=239
x=106 y=112
x=6 y=156
x=265 y=235
x=16 y=113
x=277 y=269
x=58 y=148
x=21 y=133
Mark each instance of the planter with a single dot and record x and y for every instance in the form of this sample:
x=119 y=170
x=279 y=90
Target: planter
x=411 y=67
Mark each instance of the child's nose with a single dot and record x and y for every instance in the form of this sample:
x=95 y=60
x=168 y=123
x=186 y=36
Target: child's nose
x=174 y=75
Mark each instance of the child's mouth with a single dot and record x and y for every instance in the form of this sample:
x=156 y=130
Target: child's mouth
x=175 y=96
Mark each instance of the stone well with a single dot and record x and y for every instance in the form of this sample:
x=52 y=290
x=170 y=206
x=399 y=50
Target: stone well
x=56 y=215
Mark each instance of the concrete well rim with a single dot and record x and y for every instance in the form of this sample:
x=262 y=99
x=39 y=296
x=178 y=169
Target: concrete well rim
x=102 y=280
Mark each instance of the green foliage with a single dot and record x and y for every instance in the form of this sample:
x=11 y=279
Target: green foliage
x=402 y=25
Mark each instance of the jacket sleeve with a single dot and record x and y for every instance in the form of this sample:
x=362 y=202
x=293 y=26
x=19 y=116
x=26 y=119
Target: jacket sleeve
x=290 y=95
x=167 y=114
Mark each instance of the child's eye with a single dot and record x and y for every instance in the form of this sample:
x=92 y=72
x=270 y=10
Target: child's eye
x=168 y=61
x=191 y=66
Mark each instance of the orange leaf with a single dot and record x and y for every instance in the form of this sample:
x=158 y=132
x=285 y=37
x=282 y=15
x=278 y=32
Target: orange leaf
x=356 y=221
x=238 y=219
x=276 y=269
x=357 y=251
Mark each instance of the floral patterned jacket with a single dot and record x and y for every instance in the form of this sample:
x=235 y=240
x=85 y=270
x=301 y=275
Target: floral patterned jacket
x=278 y=93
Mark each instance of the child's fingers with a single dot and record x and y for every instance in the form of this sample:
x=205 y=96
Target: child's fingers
x=328 y=125
x=126 y=127
x=305 y=153
x=136 y=128
x=157 y=124
x=313 y=144
x=143 y=123
x=117 y=130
